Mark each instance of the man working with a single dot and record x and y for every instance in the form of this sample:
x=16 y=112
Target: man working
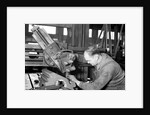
x=108 y=73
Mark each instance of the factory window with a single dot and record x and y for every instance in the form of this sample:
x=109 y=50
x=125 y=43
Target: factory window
x=48 y=29
x=33 y=43
x=99 y=31
x=90 y=33
x=112 y=35
x=119 y=36
x=65 y=32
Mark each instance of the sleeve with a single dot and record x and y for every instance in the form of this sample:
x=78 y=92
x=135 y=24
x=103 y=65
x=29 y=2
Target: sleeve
x=103 y=77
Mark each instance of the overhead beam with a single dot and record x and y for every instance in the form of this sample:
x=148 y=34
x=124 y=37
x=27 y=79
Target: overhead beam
x=57 y=25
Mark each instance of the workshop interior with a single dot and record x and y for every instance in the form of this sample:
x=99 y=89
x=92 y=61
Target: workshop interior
x=51 y=50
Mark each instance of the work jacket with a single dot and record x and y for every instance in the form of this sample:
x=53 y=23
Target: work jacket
x=108 y=76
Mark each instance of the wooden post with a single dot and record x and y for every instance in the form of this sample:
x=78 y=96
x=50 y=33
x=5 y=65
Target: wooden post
x=83 y=35
x=78 y=35
x=116 y=49
x=68 y=40
x=94 y=36
x=98 y=39
x=110 y=42
x=72 y=40
x=102 y=30
x=104 y=38
x=115 y=38
x=59 y=32
x=86 y=35
x=107 y=35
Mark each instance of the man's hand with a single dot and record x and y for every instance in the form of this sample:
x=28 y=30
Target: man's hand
x=72 y=78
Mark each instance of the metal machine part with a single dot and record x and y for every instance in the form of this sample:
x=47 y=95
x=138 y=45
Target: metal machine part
x=54 y=54
x=49 y=78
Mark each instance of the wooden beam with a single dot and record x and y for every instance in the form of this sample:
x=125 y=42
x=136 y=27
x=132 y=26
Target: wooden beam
x=115 y=37
x=77 y=35
x=86 y=35
x=37 y=47
x=94 y=35
x=116 y=48
x=83 y=38
x=57 y=25
x=31 y=39
x=110 y=41
x=43 y=64
x=59 y=33
x=98 y=41
x=80 y=34
x=68 y=38
x=102 y=40
x=72 y=37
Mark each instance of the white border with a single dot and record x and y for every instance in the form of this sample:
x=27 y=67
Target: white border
x=18 y=97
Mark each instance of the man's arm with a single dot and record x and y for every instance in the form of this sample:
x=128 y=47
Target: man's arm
x=103 y=78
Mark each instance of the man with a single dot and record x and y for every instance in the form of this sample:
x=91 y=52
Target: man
x=108 y=73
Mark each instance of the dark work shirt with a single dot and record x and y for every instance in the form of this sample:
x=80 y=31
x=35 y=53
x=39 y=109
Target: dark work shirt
x=108 y=76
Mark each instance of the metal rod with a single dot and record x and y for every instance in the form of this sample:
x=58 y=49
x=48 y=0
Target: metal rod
x=42 y=37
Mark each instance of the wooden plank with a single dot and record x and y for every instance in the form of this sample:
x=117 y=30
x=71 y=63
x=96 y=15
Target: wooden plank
x=99 y=40
x=86 y=35
x=32 y=64
x=59 y=33
x=43 y=64
x=83 y=38
x=68 y=38
x=76 y=39
x=37 y=47
x=94 y=35
x=115 y=38
x=77 y=35
x=30 y=39
x=40 y=59
x=110 y=42
x=80 y=33
x=30 y=46
x=116 y=48
x=58 y=25
x=72 y=37
x=102 y=40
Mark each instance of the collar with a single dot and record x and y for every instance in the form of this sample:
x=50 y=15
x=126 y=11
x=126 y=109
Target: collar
x=99 y=61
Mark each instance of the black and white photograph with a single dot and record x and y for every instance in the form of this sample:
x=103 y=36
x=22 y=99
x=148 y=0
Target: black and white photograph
x=75 y=56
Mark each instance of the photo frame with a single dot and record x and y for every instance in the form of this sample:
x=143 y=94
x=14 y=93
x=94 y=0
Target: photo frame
x=12 y=13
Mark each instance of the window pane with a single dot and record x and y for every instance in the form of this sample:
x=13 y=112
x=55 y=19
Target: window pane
x=65 y=31
x=99 y=31
x=48 y=29
x=112 y=35
x=90 y=33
